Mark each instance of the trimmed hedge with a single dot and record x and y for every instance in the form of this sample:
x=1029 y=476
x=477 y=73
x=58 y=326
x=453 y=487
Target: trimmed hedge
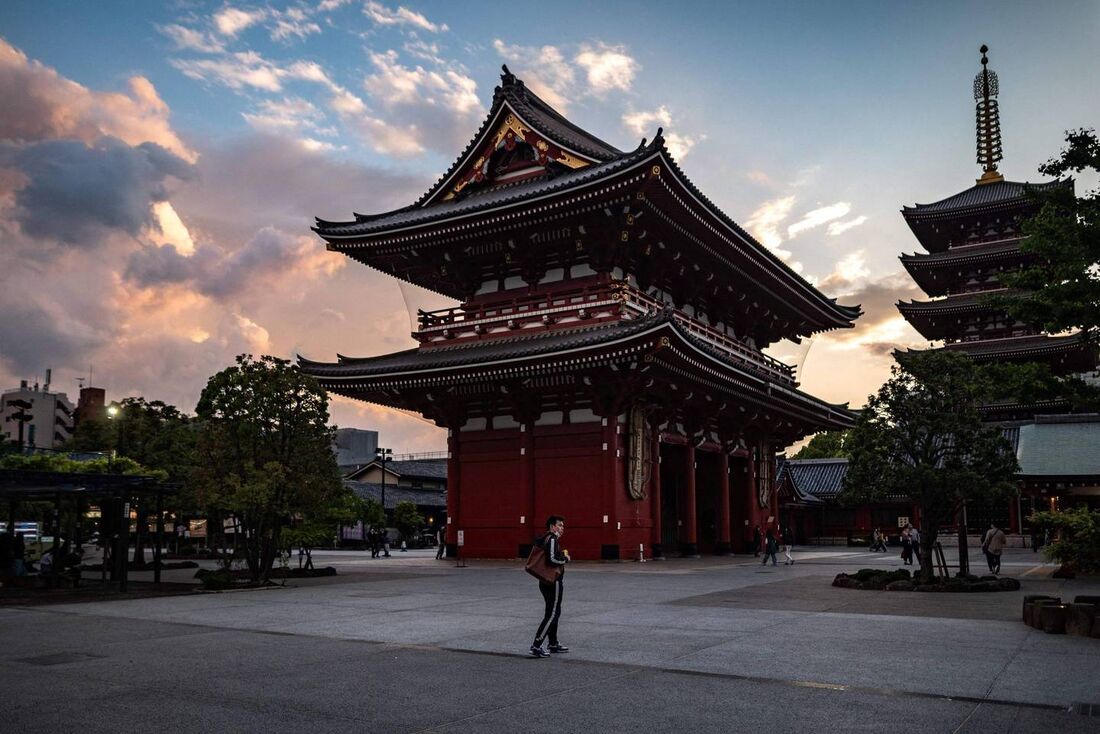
x=875 y=579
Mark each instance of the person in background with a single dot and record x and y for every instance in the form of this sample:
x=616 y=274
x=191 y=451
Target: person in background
x=771 y=547
x=440 y=537
x=756 y=537
x=906 y=547
x=993 y=544
x=788 y=545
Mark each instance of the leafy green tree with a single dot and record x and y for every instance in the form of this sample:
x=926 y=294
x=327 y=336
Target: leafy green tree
x=826 y=445
x=1063 y=281
x=322 y=524
x=407 y=519
x=155 y=435
x=372 y=514
x=921 y=436
x=264 y=453
x=1076 y=537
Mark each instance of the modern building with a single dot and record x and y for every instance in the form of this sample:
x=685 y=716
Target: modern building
x=35 y=418
x=354 y=448
x=603 y=361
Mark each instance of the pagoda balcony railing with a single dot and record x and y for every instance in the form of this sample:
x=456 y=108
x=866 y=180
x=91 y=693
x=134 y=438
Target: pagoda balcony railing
x=582 y=304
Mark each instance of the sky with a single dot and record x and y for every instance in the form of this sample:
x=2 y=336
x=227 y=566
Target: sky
x=161 y=163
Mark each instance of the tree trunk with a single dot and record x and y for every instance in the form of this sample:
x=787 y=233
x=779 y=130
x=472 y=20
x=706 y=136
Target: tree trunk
x=927 y=543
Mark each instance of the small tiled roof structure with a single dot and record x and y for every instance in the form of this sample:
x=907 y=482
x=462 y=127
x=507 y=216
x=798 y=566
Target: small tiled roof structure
x=1064 y=446
x=434 y=498
x=813 y=481
x=435 y=469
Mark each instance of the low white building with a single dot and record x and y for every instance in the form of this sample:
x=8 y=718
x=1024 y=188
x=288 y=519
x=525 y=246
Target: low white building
x=50 y=416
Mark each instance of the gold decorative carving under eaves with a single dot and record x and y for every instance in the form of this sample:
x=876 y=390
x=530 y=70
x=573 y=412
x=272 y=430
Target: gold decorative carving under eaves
x=510 y=132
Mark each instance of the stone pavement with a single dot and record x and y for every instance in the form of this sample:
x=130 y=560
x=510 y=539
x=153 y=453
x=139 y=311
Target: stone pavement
x=412 y=644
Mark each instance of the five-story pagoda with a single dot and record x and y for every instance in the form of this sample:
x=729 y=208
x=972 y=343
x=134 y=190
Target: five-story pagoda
x=604 y=362
x=972 y=238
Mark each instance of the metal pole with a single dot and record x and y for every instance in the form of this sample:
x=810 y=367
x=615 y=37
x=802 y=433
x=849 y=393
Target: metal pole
x=160 y=537
x=123 y=543
x=964 y=552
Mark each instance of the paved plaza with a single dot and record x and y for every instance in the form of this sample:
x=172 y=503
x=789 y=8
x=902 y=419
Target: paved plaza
x=413 y=644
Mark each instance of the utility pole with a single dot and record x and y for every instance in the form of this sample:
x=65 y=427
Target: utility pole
x=384 y=455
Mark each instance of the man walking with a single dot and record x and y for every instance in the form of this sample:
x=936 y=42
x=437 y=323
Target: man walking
x=993 y=545
x=788 y=545
x=771 y=547
x=440 y=536
x=551 y=592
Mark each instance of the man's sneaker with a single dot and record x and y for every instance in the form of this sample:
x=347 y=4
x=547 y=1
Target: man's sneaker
x=559 y=648
x=538 y=652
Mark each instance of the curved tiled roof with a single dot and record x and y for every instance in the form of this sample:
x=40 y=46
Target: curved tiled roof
x=981 y=195
x=470 y=353
x=414 y=215
x=1035 y=343
x=960 y=301
x=822 y=479
x=985 y=250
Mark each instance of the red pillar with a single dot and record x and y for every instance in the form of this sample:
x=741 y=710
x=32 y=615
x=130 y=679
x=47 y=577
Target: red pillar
x=530 y=526
x=689 y=547
x=723 y=547
x=454 y=483
x=752 y=507
x=655 y=492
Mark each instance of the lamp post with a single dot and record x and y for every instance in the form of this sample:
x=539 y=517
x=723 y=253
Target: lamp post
x=384 y=455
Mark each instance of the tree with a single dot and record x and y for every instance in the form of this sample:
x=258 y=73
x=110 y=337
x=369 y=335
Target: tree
x=921 y=436
x=152 y=433
x=372 y=514
x=1076 y=537
x=264 y=450
x=1063 y=281
x=407 y=519
x=323 y=523
x=826 y=445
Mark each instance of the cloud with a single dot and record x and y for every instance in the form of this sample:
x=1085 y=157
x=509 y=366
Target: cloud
x=817 y=217
x=292 y=23
x=644 y=123
x=838 y=228
x=384 y=16
x=169 y=229
x=231 y=21
x=238 y=71
x=73 y=190
x=39 y=104
x=290 y=115
x=544 y=69
x=607 y=67
x=423 y=107
x=197 y=258
x=189 y=39
x=765 y=221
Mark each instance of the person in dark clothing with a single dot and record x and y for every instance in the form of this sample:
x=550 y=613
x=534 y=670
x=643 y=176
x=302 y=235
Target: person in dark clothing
x=771 y=547
x=551 y=593
x=756 y=542
x=440 y=538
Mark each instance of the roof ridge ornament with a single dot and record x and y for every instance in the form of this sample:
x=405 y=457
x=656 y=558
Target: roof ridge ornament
x=988 y=121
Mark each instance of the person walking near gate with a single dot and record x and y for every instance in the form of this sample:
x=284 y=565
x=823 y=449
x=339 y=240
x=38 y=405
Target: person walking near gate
x=771 y=547
x=788 y=545
x=555 y=558
x=993 y=544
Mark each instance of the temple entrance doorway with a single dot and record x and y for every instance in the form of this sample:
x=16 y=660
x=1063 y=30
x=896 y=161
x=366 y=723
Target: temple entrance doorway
x=708 y=485
x=672 y=489
x=740 y=498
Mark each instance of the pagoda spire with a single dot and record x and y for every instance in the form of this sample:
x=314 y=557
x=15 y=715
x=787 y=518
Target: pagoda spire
x=988 y=121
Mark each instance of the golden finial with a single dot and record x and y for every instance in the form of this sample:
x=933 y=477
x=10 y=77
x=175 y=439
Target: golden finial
x=988 y=121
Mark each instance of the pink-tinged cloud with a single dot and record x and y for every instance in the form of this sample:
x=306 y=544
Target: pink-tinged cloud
x=39 y=104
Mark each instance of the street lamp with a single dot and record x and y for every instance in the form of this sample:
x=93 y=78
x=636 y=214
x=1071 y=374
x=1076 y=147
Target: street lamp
x=383 y=456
